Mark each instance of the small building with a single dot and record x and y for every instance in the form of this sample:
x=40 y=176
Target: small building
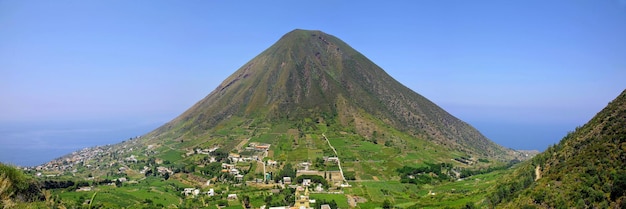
x=234 y=171
x=306 y=182
x=163 y=170
x=286 y=180
x=132 y=158
x=325 y=206
x=232 y=197
x=213 y=149
x=332 y=159
x=227 y=166
x=211 y=192
x=188 y=191
x=262 y=147
x=84 y=189
x=304 y=165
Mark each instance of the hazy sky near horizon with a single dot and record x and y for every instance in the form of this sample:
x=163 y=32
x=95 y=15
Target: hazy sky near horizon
x=524 y=72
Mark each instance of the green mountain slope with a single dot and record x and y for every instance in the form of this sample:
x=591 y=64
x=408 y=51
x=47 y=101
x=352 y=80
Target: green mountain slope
x=313 y=75
x=586 y=169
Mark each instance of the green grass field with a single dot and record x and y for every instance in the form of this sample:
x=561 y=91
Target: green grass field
x=453 y=194
x=340 y=199
x=152 y=191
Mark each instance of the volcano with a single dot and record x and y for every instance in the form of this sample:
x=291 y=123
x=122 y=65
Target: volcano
x=308 y=78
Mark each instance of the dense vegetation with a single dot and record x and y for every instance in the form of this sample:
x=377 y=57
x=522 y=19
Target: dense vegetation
x=16 y=187
x=429 y=174
x=586 y=169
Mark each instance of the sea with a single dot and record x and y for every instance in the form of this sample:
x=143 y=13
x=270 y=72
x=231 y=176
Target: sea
x=35 y=143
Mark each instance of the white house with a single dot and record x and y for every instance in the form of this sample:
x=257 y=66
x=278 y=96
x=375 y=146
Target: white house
x=272 y=162
x=234 y=171
x=188 y=191
x=306 y=182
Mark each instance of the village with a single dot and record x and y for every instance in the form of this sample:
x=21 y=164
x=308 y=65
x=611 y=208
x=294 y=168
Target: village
x=248 y=166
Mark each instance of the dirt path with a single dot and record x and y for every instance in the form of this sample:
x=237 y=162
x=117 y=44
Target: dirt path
x=338 y=160
x=351 y=201
x=354 y=200
x=240 y=145
x=537 y=173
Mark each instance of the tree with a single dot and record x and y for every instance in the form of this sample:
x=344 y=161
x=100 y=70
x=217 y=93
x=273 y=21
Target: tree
x=148 y=172
x=388 y=143
x=469 y=205
x=619 y=186
x=222 y=203
x=246 y=201
x=286 y=171
x=386 y=204
x=220 y=155
x=319 y=162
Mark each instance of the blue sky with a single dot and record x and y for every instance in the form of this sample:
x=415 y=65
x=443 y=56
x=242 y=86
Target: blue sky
x=523 y=72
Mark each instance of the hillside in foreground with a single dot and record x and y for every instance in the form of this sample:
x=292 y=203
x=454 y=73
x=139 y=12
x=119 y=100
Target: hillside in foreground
x=586 y=169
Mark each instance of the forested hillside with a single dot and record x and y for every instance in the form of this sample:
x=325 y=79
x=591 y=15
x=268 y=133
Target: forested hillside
x=586 y=169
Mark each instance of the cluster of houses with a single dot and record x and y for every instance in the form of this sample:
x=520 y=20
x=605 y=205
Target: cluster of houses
x=302 y=200
x=131 y=159
x=235 y=158
x=233 y=170
x=160 y=170
x=195 y=192
x=70 y=162
x=199 y=151
x=259 y=150
x=261 y=147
